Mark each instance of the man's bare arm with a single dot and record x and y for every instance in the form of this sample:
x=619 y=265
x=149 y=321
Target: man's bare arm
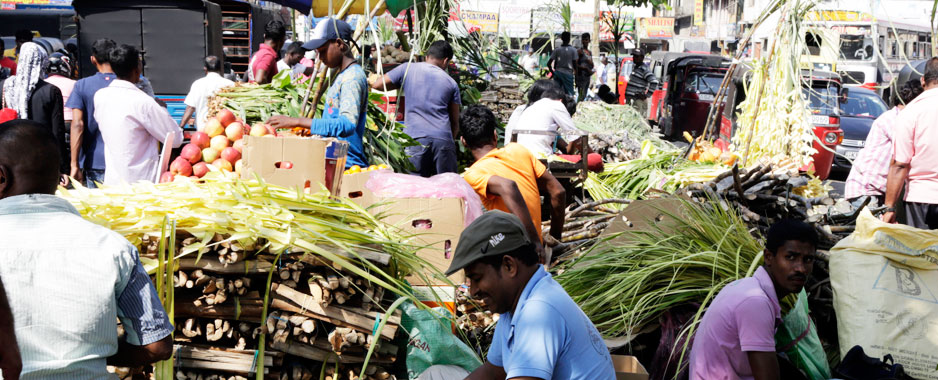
x=129 y=355
x=558 y=202
x=384 y=83
x=186 y=116
x=487 y=371
x=76 y=136
x=454 y=110
x=898 y=174
x=764 y=365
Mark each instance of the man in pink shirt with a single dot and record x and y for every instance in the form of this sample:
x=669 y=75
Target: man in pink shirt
x=916 y=157
x=263 y=65
x=736 y=337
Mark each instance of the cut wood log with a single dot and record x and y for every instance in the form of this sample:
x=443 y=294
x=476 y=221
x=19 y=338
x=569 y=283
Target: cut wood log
x=285 y=298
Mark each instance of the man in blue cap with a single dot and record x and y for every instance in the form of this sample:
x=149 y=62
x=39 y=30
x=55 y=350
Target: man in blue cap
x=345 y=108
x=541 y=333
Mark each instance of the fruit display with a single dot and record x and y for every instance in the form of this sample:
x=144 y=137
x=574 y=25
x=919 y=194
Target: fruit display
x=218 y=147
x=358 y=169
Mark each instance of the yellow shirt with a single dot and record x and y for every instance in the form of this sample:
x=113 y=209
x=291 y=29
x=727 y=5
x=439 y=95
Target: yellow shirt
x=514 y=162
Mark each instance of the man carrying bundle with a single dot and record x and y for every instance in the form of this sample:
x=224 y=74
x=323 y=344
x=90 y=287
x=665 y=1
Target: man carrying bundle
x=541 y=333
x=510 y=179
x=68 y=280
x=736 y=337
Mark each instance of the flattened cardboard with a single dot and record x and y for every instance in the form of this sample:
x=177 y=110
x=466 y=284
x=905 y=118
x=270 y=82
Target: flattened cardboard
x=628 y=368
x=311 y=168
x=435 y=222
x=643 y=215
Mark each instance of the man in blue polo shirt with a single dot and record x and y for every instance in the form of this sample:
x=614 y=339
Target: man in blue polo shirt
x=87 y=153
x=431 y=114
x=541 y=333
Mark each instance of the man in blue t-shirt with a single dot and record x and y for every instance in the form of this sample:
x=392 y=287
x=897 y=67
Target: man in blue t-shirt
x=541 y=333
x=431 y=114
x=87 y=161
x=344 y=111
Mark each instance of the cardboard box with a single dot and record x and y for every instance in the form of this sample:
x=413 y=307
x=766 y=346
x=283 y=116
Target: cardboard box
x=353 y=187
x=435 y=222
x=295 y=161
x=628 y=368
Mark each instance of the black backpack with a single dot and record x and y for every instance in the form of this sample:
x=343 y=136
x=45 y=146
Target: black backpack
x=857 y=366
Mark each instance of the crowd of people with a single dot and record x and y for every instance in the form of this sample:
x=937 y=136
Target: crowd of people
x=114 y=127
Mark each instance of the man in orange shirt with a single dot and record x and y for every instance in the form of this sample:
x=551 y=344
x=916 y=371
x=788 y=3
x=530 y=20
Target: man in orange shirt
x=510 y=179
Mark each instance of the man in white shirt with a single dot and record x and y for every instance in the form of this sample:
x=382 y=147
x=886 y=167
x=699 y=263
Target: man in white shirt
x=530 y=62
x=291 y=61
x=131 y=123
x=203 y=89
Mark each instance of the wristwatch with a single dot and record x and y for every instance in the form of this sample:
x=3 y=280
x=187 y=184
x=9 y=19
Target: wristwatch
x=890 y=209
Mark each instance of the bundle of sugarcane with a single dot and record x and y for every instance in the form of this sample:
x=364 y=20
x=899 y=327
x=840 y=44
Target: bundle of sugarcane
x=240 y=254
x=626 y=282
x=616 y=131
x=584 y=223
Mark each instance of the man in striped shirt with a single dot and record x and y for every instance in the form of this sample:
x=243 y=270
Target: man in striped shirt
x=867 y=178
x=69 y=280
x=642 y=83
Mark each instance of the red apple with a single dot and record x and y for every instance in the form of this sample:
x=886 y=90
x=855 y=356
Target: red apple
x=167 y=177
x=222 y=165
x=213 y=127
x=237 y=166
x=200 y=169
x=234 y=131
x=191 y=152
x=258 y=130
x=231 y=155
x=219 y=143
x=239 y=145
x=225 y=117
x=200 y=139
x=181 y=166
x=209 y=155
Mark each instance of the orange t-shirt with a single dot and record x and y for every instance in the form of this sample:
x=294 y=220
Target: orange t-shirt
x=514 y=162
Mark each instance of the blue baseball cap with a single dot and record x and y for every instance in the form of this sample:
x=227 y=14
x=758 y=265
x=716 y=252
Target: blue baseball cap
x=327 y=30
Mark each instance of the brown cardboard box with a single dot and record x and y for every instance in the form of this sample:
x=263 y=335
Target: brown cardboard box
x=436 y=222
x=266 y=156
x=628 y=368
x=353 y=187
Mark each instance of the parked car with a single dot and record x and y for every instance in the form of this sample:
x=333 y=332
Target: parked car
x=683 y=105
x=857 y=113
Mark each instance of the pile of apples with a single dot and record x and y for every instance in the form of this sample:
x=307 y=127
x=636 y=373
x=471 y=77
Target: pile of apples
x=218 y=146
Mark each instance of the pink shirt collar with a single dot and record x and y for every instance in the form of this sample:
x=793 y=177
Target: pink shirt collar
x=765 y=282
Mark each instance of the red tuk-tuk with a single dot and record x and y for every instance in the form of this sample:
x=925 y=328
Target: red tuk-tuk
x=822 y=91
x=692 y=84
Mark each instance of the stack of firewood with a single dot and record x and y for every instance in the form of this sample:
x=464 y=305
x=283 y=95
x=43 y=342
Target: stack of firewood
x=502 y=97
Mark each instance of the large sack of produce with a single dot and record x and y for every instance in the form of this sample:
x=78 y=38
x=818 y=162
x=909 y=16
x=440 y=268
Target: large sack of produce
x=885 y=281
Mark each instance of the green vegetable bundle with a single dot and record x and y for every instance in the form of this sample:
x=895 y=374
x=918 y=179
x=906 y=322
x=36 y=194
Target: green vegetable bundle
x=625 y=285
x=255 y=103
x=385 y=139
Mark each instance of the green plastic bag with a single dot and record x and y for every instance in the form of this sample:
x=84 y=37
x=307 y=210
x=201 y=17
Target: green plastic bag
x=431 y=342
x=797 y=337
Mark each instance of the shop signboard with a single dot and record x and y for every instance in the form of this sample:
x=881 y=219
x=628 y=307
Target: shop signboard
x=514 y=21
x=486 y=22
x=581 y=23
x=698 y=12
x=607 y=19
x=656 y=27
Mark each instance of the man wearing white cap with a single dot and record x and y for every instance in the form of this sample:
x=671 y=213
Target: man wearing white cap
x=344 y=113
